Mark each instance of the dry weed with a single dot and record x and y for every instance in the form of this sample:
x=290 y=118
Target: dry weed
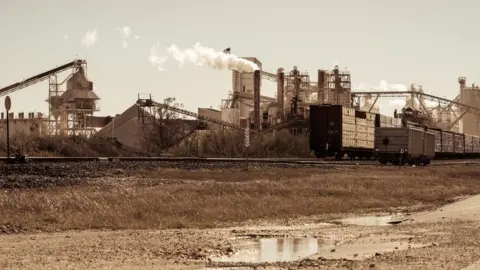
x=210 y=199
x=208 y=144
x=231 y=144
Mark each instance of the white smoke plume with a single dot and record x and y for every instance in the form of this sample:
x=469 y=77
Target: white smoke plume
x=137 y=37
x=429 y=103
x=65 y=37
x=126 y=31
x=156 y=59
x=201 y=56
x=382 y=86
x=90 y=38
x=398 y=102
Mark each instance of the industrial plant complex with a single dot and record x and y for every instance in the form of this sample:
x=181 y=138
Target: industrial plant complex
x=73 y=105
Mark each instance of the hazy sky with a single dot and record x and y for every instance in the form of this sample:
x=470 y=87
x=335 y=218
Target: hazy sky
x=424 y=42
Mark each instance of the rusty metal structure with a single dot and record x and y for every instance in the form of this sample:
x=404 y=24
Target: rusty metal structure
x=446 y=115
x=336 y=87
x=69 y=109
x=73 y=102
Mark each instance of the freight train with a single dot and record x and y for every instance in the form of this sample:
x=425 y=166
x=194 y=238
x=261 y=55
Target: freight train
x=340 y=131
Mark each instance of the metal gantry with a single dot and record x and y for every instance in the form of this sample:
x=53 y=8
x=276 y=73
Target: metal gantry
x=54 y=92
x=445 y=104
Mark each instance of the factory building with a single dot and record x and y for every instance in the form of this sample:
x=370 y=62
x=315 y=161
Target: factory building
x=19 y=125
x=214 y=114
x=470 y=96
x=73 y=103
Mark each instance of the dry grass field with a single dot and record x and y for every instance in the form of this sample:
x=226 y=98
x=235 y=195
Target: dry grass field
x=170 y=198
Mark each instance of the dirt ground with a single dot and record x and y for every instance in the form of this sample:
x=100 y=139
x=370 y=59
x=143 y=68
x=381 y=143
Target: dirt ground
x=439 y=230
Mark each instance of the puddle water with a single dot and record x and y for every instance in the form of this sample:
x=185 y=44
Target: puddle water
x=276 y=250
x=372 y=220
x=229 y=268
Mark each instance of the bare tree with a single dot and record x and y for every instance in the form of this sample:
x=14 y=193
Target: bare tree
x=168 y=127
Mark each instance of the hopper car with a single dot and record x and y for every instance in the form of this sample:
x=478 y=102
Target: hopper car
x=338 y=131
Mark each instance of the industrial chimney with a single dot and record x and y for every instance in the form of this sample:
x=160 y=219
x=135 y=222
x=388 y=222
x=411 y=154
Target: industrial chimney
x=280 y=90
x=321 y=86
x=256 y=98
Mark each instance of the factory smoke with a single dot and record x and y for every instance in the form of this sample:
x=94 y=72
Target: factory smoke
x=398 y=102
x=156 y=58
x=90 y=38
x=382 y=86
x=126 y=32
x=201 y=56
x=385 y=86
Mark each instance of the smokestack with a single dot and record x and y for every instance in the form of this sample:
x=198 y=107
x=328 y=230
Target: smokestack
x=280 y=90
x=421 y=98
x=321 y=86
x=462 y=81
x=256 y=98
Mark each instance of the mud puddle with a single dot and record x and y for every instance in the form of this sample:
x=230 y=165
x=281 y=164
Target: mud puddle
x=230 y=268
x=372 y=220
x=269 y=250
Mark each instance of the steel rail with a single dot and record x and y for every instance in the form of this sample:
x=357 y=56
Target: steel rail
x=299 y=161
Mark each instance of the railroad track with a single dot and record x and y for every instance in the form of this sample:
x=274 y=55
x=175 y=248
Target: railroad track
x=306 y=161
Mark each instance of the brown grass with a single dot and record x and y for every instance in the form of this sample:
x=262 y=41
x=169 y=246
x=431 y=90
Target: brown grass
x=64 y=146
x=178 y=199
x=231 y=144
x=205 y=144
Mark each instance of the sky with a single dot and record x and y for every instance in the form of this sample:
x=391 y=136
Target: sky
x=425 y=42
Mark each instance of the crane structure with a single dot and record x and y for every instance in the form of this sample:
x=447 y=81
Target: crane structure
x=68 y=110
x=447 y=113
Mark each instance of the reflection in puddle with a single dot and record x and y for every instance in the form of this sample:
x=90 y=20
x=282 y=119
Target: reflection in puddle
x=372 y=220
x=274 y=250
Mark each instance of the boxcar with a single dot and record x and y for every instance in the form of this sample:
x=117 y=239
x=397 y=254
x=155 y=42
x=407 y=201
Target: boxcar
x=448 y=147
x=336 y=130
x=476 y=147
x=459 y=145
x=469 y=146
x=404 y=145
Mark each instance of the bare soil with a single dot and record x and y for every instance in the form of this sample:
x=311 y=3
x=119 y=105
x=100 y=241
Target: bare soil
x=176 y=219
